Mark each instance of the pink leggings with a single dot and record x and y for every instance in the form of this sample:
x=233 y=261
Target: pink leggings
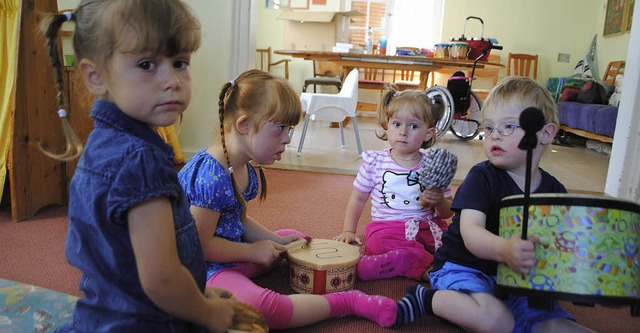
x=276 y=308
x=410 y=258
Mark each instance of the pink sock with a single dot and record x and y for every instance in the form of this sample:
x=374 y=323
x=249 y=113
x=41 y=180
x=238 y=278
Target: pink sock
x=382 y=266
x=379 y=309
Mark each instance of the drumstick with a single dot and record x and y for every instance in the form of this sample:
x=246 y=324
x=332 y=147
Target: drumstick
x=297 y=243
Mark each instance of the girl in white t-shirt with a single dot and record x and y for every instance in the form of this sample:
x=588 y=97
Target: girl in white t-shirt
x=407 y=219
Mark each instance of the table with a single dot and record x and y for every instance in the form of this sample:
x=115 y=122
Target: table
x=423 y=65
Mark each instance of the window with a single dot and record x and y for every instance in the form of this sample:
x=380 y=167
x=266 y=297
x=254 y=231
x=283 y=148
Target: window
x=416 y=23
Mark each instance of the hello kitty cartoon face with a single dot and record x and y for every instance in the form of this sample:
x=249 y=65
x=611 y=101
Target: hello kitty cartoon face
x=401 y=191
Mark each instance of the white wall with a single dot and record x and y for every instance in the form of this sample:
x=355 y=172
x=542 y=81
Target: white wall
x=216 y=62
x=543 y=27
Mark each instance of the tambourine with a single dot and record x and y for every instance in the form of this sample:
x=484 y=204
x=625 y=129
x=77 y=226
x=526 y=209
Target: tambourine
x=323 y=266
x=588 y=250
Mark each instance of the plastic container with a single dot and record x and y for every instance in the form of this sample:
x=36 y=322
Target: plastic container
x=368 y=41
x=383 y=45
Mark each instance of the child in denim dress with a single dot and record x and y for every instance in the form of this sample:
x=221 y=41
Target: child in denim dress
x=130 y=230
x=257 y=113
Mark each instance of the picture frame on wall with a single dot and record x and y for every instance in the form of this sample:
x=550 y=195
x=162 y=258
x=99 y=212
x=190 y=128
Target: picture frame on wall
x=615 y=18
x=629 y=9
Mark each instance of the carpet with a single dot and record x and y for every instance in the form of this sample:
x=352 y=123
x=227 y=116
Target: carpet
x=314 y=203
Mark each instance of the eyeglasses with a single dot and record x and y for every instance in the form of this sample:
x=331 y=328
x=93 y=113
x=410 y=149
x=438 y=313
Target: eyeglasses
x=505 y=129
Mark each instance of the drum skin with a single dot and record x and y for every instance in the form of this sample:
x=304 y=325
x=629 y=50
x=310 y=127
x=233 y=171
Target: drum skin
x=323 y=266
x=588 y=246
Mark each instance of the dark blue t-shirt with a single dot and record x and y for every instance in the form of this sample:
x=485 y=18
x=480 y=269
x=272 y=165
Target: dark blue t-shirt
x=124 y=163
x=482 y=189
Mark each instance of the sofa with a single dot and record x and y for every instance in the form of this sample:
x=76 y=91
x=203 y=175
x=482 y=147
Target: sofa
x=592 y=121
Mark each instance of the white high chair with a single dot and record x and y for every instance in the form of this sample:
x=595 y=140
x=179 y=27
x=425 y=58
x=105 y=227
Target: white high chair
x=333 y=107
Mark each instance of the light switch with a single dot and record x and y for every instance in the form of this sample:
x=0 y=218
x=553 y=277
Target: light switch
x=564 y=57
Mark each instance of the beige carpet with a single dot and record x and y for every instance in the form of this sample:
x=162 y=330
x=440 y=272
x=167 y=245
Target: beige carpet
x=314 y=203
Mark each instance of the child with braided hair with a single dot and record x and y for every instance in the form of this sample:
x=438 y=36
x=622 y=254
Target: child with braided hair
x=257 y=112
x=131 y=233
x=407 y=216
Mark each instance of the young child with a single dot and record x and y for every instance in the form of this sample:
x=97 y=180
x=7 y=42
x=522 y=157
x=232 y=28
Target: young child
x=464 y=272
x=407 y=219
x=130 y=230
x=257 y=114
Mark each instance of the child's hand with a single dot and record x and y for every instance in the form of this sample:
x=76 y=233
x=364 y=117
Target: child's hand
x=431 y=196
x=286 y=239
x=215 y=292
x=223 y=311
x=519 y=253
x=348 y=237
x=267 y=252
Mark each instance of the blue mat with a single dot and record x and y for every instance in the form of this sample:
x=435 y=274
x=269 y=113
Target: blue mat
x=28 y=308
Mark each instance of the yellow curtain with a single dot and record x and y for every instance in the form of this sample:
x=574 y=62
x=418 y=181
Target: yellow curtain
x=170 y=136
x=9 y=14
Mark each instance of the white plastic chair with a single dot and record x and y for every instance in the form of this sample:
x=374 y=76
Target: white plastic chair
x=333 y=107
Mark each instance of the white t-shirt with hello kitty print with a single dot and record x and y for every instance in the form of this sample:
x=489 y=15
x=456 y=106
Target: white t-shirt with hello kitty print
x=394 y=190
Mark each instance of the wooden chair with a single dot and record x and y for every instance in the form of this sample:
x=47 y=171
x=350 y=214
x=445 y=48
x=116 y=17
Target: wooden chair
x=613 y=69
x=520 y=64
x=325 y=73
x=263 y=62
x=487 y=75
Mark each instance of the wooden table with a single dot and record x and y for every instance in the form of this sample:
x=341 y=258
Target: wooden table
x=423 y=65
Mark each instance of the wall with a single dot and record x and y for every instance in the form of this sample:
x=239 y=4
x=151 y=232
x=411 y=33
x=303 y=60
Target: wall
x=521 y=26
x=543 y=27
x=210 y=68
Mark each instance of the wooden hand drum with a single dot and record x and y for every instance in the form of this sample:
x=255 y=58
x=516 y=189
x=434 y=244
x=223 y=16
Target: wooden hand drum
x=588 y=250
x=323 y=266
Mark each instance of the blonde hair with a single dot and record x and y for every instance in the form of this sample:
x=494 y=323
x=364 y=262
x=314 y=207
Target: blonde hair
x=160 y=26
x=262 y=97
x=417 y=101
x=523 y=90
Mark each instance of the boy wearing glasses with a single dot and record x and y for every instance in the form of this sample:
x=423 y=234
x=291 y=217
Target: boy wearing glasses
x=464 y=272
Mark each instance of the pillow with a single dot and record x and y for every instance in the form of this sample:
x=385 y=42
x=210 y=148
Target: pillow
x=569 y=94
x=592 y=93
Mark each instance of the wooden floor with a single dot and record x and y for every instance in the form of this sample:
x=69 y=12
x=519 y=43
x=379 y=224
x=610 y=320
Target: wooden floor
x=579 y=168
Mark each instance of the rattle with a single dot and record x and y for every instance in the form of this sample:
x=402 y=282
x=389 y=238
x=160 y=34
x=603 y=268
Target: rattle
x=437 y=169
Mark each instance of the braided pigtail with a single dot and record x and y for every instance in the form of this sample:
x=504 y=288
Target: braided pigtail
x=73 y=146
x=263 y=184
x=225 y=94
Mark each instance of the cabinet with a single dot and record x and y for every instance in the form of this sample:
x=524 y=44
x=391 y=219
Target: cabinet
x=35 y=180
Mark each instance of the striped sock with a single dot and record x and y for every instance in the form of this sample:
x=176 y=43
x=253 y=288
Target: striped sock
x=415 y=304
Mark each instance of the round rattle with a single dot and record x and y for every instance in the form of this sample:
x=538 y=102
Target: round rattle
x=322 y=266
x=437 y=169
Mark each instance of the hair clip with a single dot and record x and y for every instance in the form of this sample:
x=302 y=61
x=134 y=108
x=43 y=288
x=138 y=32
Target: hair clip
x=68 y=15
x=230 y=169
x=233 y=83
x=62 y=113
x=396 y=94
